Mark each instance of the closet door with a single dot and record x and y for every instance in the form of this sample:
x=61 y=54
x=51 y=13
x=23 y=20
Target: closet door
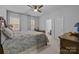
x=58 y=27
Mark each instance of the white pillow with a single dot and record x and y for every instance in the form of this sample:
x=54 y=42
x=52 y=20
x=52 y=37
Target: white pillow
x=8 y=32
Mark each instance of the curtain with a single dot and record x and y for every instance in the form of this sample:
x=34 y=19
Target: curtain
x=22 y=22
x=14 y=21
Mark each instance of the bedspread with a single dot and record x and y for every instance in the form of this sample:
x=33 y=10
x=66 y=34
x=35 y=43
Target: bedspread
x=23 y=41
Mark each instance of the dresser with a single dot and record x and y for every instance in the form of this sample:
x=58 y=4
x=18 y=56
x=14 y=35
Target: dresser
x=69 y=44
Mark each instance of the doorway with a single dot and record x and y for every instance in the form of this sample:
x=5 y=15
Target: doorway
x=49 y=27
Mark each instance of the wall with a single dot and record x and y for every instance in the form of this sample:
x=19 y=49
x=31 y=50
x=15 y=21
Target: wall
x=23 y=21
x=26 y=22
x=29 y=22
x=66 y=16
x=42 y=22
x=36 y=20
x=70 y=16
x=3 y=12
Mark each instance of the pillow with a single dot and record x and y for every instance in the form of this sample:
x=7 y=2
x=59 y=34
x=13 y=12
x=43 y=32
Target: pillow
x=7 y=32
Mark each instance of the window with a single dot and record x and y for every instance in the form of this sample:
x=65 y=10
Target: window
x=14 y=20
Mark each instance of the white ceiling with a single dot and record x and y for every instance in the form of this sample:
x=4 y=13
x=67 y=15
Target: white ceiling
x=27 y=10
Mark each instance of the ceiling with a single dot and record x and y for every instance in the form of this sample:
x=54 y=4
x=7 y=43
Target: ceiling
x=27 y=10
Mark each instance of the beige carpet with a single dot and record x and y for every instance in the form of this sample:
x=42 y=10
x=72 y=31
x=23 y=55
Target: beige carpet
x=53 y=47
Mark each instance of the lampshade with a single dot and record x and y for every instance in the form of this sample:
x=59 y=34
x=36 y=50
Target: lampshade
x=76 y=25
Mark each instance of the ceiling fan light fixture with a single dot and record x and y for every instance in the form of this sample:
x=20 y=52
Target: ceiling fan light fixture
x=35 y=10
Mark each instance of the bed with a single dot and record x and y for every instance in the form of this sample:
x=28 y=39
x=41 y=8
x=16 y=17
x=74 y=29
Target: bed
x=18 y=42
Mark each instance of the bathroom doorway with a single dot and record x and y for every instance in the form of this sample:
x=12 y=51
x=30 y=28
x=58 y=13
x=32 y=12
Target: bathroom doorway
x=49 y=27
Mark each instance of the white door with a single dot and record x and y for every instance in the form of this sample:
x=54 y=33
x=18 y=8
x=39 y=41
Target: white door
x=58 y=27
x=48 y=26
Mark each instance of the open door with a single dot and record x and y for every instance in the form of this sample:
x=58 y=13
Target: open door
x=48 y=27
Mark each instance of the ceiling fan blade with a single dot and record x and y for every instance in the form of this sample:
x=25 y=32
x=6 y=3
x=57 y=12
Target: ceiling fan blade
x=39 y=11
x=40 y=6
x=29 y=6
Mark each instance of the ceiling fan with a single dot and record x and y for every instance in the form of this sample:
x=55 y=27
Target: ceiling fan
x=36 y=8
